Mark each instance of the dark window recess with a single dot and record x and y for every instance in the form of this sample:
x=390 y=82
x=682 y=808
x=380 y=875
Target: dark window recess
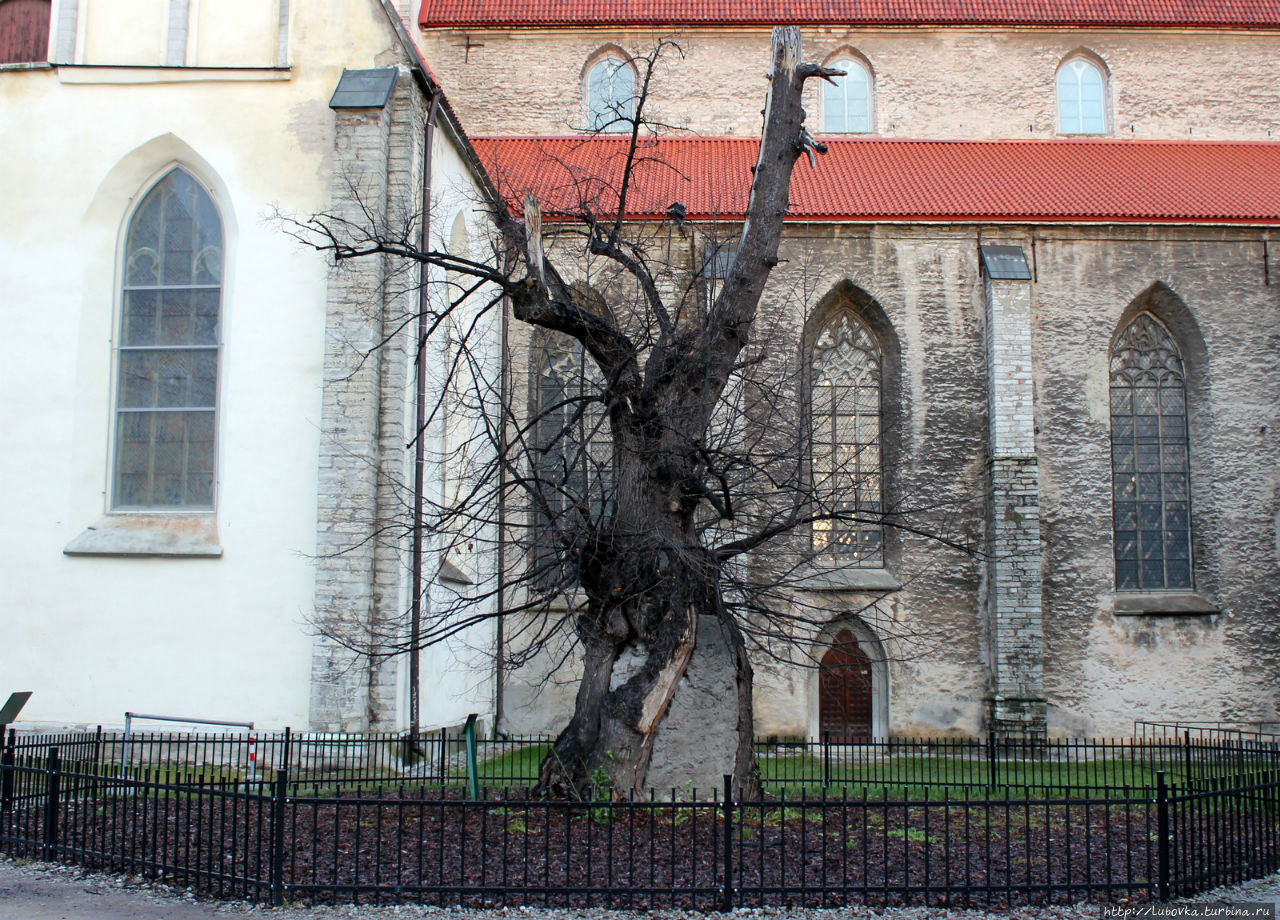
x=24 y=31
x=1006 y=263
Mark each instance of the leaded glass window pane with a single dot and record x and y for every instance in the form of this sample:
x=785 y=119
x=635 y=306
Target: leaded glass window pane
x=846 y=444
x=846 y=102
x=167 y=359
x=573 y=454
x=611 y=91
x=1149 y=460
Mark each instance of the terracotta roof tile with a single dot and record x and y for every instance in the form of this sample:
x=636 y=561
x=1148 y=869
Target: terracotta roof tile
x=570 y=13
x=905 y=180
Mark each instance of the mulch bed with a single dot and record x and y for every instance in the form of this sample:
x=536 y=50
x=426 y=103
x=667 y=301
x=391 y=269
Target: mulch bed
x=425 y=846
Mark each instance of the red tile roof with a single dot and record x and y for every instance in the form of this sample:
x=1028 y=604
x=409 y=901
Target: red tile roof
x=568 y=13
x=1073 y=181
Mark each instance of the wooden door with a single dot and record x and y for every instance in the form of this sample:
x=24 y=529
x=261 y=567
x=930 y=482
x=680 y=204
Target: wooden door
x=844 y=690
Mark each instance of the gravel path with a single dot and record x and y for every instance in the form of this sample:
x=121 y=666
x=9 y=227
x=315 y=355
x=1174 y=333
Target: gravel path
x=38 y=891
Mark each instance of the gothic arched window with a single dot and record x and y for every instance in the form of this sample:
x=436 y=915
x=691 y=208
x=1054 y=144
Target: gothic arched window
x=573 y=457
x=167 y=351
x=845 y=443
x=1081 y=97
x=1151 y=480
x=611 y=94
x=846 y=102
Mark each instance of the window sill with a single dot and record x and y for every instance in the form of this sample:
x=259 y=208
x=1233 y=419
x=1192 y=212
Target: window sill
x=1168 y=603
x=175 y=535
x=157 y=73
x=26 y=65
x=848 y=578
x=451 y=573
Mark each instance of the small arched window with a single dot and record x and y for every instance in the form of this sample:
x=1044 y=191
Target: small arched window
x=611 y=94
x=1151 y=481
x=846 y=103
x=1081 y=97
x=167 y=351
x=845 y=442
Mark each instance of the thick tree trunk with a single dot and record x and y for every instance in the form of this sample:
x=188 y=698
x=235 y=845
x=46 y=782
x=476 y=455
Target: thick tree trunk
x=673 y=717
x=665 y=700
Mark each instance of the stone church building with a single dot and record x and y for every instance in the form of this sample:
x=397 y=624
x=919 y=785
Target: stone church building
x=1037 y=259
x=1032 y=278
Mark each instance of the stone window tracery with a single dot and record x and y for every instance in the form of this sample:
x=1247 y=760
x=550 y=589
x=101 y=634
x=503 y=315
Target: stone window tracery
x=845 y=442
x=167 y=352
x=1151 y=481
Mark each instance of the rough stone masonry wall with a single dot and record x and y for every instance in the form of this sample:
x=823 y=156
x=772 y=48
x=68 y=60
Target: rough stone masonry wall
x=1214 y=288
x=362 y=500
x=1100 y=669
x=1013 y=600
x=926 y=289
x=928 y=83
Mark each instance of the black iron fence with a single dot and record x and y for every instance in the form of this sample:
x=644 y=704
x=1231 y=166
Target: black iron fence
x=947 y=841
x=439 y=758
x=963 y=763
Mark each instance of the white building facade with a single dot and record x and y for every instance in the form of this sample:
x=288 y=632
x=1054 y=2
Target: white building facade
x=200 y=410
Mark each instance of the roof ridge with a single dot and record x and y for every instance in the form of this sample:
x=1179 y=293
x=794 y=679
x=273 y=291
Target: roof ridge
x=587 y=139
x=1233 y=14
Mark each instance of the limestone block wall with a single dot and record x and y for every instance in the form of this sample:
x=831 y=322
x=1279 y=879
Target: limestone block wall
x=350 y=449
x=1215 y=291
x=1058 y=647
x=928 y=82
x=923 y=295
x=365 y=501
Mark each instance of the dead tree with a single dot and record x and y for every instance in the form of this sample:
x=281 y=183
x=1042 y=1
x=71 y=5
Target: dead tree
x=703 y=511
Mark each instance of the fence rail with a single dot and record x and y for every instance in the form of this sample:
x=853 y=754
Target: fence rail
x=1186 y=757
x=943 y=842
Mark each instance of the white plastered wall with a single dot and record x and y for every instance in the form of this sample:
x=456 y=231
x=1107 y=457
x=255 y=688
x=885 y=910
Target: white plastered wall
x=458 y=675
x=226 y=637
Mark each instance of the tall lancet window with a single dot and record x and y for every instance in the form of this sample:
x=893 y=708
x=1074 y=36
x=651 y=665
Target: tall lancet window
x=845 y=440
x=1151 y=480
x=573 y=457
x=167 y=350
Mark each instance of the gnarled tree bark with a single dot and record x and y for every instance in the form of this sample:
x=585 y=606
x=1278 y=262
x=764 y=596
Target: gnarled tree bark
x=666 y=693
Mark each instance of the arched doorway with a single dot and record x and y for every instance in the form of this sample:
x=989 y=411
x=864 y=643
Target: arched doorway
x=844 y=690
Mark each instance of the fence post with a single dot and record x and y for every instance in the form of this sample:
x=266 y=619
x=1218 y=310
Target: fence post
x=50 y=847
x=276 y=876
x=991 y=757
x=444 y=753
x=6 y=776
x=726 y=895
x=1186 y=747
x=826 y=759
x=1162 y=829
x=473 y=779
x=288 y=738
